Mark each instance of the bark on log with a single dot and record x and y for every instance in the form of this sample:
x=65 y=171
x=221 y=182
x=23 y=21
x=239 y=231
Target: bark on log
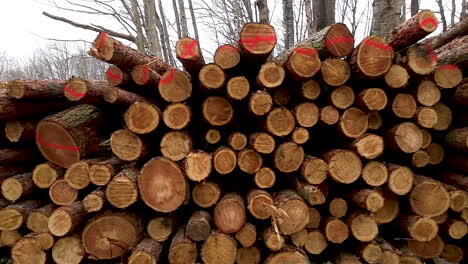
x=66 y=219
x=18 y=187
x=457 y=139
x=198 y=227
x=118 y=96
x=35 y=89
x=16 y=156
x=372 y=58
x=460 y=96
x=146 y=251
x=454 y=53
x=20 y=131
x=143 y=75
x=14 y=215
x=188 y=52
x=206 y=194
x=117 y=77
x=60 y=193
x=443 y=38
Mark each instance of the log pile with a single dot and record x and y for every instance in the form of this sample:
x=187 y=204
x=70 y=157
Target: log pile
x=326 y=152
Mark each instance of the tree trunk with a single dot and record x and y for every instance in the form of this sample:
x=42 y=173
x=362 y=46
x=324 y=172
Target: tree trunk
x=68 y=250
x=288 y=22
x=183 y=19
x=309 y=17
x=166 y=34
x=263 y=11
x=66 y=219
x=386 y=16
x=194 y=21
x=147 y=251
x=442 y=15
x=323 y=13
x=218 y=242
x=122 y=190
x=35 y=89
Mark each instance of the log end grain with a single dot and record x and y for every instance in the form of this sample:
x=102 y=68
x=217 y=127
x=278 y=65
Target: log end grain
x=198 y=165
x=45 y=174
x=420 y=159
x=224 y=160
x=336 y=231
x=262 y=143
x=176 y=145
x=429 y=198
x=335 y=72
x=237 y=141
x=303 y=63
x=177 y=116
x=259 y=204
x=265 y=178
x=372 y=99
x=68 y=250
x=249 y=161
x=300 y=135
x=227 y=57
x=127 y=145
x=306 y=114
x=426 y=117
x=206 y=194
x=342 y=97
x=396 y=77
x=400 y=180
x=375 y=173
x=329 y=115
x=175 y=86
x=142 y=117
x=27 y=250
x=61 y=193
x=353 y=122
x=363 y=227
x=217 y=111
x=160 y=228
x=219 y=248
x=288 y=157
x=229 y=214
x=314 y=170
x=114 y=75
x=427 y=93
x=374 y=57
x=369 y=146
x=280 y=122
x=257 y=39
x=408 y=137
x=338 y=207
x=238 y=88
x=271 y=75
x=447 y=76
x=427 y=250
x=212 y=136
x=388 y=212
x=421 y=59
x=260 y=103
x=339 y=41
x=344 y=166
x=77 y=176
x=211 y=77
x=310 y=90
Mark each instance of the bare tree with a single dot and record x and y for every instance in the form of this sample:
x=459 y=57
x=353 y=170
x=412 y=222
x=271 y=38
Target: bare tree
x=194 y=21
x=442 y=14
x=263 y=11
x=387 y=16
x=414 y=7
x=183 y=19
x=453 y=14
x=288 y=22
x=324 y=13
x=463 y=11
x=177 y=20
x=248 y=8
x=308 y=12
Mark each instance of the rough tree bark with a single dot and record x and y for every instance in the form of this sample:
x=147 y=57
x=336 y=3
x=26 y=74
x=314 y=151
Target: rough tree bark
x=288 y=22
x=308 y=11
x=264 y=12
x=323 y=13
x=166 y=35
x=183 y=19
x=194 y=21
x=386 y=16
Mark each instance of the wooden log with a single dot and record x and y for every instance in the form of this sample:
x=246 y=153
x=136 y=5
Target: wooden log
x=299 y=238
x=422 y=229
x=15 y=156
x=188 y=52
x=273 y=240
x=367 y=199
x=142 y=117
x=67 y=136
x=237 y=141
x=128 y=146
x=429 y=197
x=374 y=173
x=310 y=90
x=20 y=131
x=176 y=145
x=38 y=219
x=14 y=215
x=206 y=194
x=256 y=41
x=162 y=185
x=400 y=179
x=404 y=105
x=68 y=250
x=84 y=91
x=219 y=248
x=436 y=153
x=288 y=157
x=147 y=251
x=313 y=194
x=281 y=96
x=229 y=213
x=344 y=165
x=265 y=178
x=94 y=201
x=363 y=227
x=460 y=96
x=9 y=238
x=227 y=57
x=197 y=165
x=329 y=115
x=458 y=198
x=427 y=250
x=427 y=93
x=18 y=187
x=260 y=204
x=454 y=228
x=66 y=219
x=160 y=228
x=335 y=230
x=306 y=114
x=444 y=116
x=77 y=175
x=389 y=253
x=314 y=218
x=247 y=235
x=418 y=59
x=248 y=255
x=353 y=123
x=237 y=88
x=211 y=77
x=262 y=143
x=118 y=96
x=287 y=254
x=117 y=77
x=426 y=138
x=260 y=103
x=294 y=214
x=300 y=63
x=347 y=258
x=175 y=86
x=270 y=76
x=198 y=227
x=314 y=170
x=375 y=121
x=143 y=75
x=413 y=30
x=217 y=111
x=300 y=135
x=371 y=99
x=316 y=242
x=453 y=53
x=249 y=161
x=122 y=190
x=439 y=219
x=452 y=253
x=368 y=146
x=426 y=117
x=396 y=77
x=35 y=89
x=108 y=49
x=11 y=170
x=342 y=97
x=212 y=136
x=372 y=58
x=420 y=159
x=443 y=38
x=123 y=229
x=337 y=207
x=447 y=76
x=177 y=116
x=27 y=250
x=370 y=252
x=224 y=160
x=101 y=173
x=335 y=72
x=405 y=137
x=61 y=193
x=457 y=139
x=389 y=210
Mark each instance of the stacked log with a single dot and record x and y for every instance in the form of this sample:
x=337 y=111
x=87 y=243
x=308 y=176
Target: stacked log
x=324 y=153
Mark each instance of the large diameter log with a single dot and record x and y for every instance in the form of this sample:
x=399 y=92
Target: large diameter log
x=37 y=220
x=146 y=251
x=35 y=89
x=454 y=53
x=344 y=165
x=301 y=63
x=123 y=229
x=422 y=229
x=108 y=49
x=118 y=96
x=101 y=173
x=335 y=72
x=405 y=137
x=427 y=250
x=288 y=254
x=122 y=190
x=162 y=185
x=13 y=216
x=413 y=30
x=288 y=157
x=27 y=251
x=211 y=77
x=293 y=212
x=372 y=58
x=128 y=146
x=60 y=193
x=229 y=213
x=227 y=57
x=256 y=41
x=20 y=131
x=66 y=219
x=363 y=227
x=17 y=187
x=429 y=198
x=116 y=77
x=160 y=228
x=457 y=139
x=418 y=59
x=189 y=53
x=447 y=76
x=260 y=204
x=198 y=227
x=443 y=38
x=84 y=91
x=206 y=194
x=68 y=250
x=67 y=136
x=219 y=249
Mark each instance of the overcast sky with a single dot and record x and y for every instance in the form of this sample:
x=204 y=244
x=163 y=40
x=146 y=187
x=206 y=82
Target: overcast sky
x=24 y=27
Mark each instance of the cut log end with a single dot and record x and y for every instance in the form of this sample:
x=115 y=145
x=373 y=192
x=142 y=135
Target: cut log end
x=429 y=198
x=238 y=88
x=94 y=201
x=160 y=228
x=260 y=103
x=126 y=145
x=175 y=86
x=421 y=59
x=212 y=77
x=452 y=253
x=257 y=40
x=400 y=180
x=303 y=63
x=374 y=57
x=27 y=250
x=353 y=122
x=300 y=135
x=61 y=193
x=237 y=141
x=372 y=99
x=310 y=90
x=198 y=165
x=408 y=137
x=249 y=161
x=219 y=248
x=427 y=21
x=262 y=143
x=420 y=159
x=375 y=173
x=329 y=115
x=280 y=122
x=307 y=114
x=427 y=93
x=338 y=207
x=342 y=97
x=176 y=145
x=68 y=250
x=426 y=117
x=296 y=212
x=396 y=77
x=217 y=111
x=225 y=160
x=142 y=117
x=115 y=76
x=206 y=194
x=363 y=227
x=427 y=250
x=447 y=76
x=77 y=176
x=227 y=57
x=314 y=170
x=339 y=41
x=265 y=178
x=259 y=204
x=371 y=253
x=369 y=146
x=75 y=89
x=336 y=231
x=335 y=72
x=229 y=213
x=271 y=75
x=344 y=166
x=177 y=116
x=212 y=136
x=444 y=116
x=288 y=157
x=388 y=212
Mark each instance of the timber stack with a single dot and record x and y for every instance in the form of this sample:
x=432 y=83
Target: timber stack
x=331 y=151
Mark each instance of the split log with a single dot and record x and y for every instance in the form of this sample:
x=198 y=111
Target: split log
x=429 y=197
x=337 y=207
x=198 y=227
x=335 y=230
x=122 y=190
x=198 y=165
x=38 y=219
x=389 y=211
x=273 y=240
x=206 y=194
x=265 y=178
x=211 y=77
x=227 y=57
x=175 y=86
x=418 y=59
x=288 y=157
x=443 y=38
x=94 y=201
x=224 y=160
x=217 y=111
x=127 y=146
x=374 y=173
x=368 y=146
x=247 y=235
x=68 y=250
x=146 y=251
x=189 y=53
x=256 y=41
x=372 y=58
x=301 y=63
x=176 y=145
x=260 y=103
x=160 y=228
x=18 y=187
x=405 y=137
x=118 y=96
x=60 y=193
x=66 y=219
x=238 y=88
x=335 y=72
x=353 y=123
x=35 y=89
x=422 y=229
x=229 y=213
x=117 y=77
x=20 y=131
x=14 y=215
x=362 y=226
x=142 y=117
x=344 y=166
x=219 y=248
x=396 y=77
x=447 y=76
x=427 y=250
x=100 y=174
x=294 y=214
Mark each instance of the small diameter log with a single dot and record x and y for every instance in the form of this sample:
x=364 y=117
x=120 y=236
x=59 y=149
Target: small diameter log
x=116 y=77
x=281 y=96
x=367 y=199
x=66 y=219
x=45 y=174
x=293 y=212
x=227 y=57
x=229 y=213
x=94 y=201
x=353 y=123
x=374 y=173
x=368 y=146
x=219 y=249
x=224 y=160
x=452 y=253
x=198 y=165
x=18 y=187
x=460 y=96
x=314 y=170
x=217 y=111
x=248 y=255
x=396 y=77
x=427 y=93
x=389 y=253
x=265 y=178
x=457 y=139
x=85 y=91
x=44 y=240
x=123 y=229
x=426 y=117
x=160 y=228
x=271 y=75
x=212 y=136
x=144 y=75
x=372 y=99
x=426 y=139
x=122 y=190
x=404 y=105
x=337 y=207
x=68 y=250
x=142 y=117
x=256 y=41
x=176 y=145
x=162 y=185
x=306 y=114
x=238 y=88
x=400 y=179
x=288 y=254
x=177 y=116
x=67 y=136
x=182 y=250
x=444 y=116
x=335 y=72
x=299 y=238
x=35 y=89
x=314 y=218
x=273 y=240
x=310 y=90
x=249 y=161
x=363 y=227
x=237 y=141
x=20 y=131
x=260 y=103
x=372 y=58
x=439 y=219
x=313 y=194
x=13 y=216
x=288 y=157
x=247 y=235
x=420 y=159
x=118 y=96
x=419 y=59
x=447 y=76
x=189 y=53
x=342 y=97
x=329 y=115
x=175 y=86
x=260 y=204
x=300 y=135
x=9 y=238
x=262 y=143
x=405 y=137
x=38 y=219
x=77 y=175
x=26 y=251
x=344 y=165
x=60 y=193
x=413 y=30
x=375 y=121
x=458 y=198
x=206 y=194
x=335 y=230
x=370 y=252
x=422 y=229
x=436 y=153
x=146 y=251
x=427 y=250
x=429 y=198
x=389 y=210
x=315 y=243
x=301 y=63
x=198 y=227
x=128 y=146
x=211 y=77
x=101 y=173
x=454 y=228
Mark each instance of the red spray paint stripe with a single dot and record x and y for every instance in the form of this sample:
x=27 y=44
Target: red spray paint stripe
x=70 y=91
x=188 y=49
x=377 y=45
x=227 y=48
x=449 y=67
x=431 y=53
x=145 y=74
x=333 y=41
x=430 y=20
x=307 y=51
x=255 y=40
x=170 y=77
x=102 y=40
x=113 y=76
x=52 y=145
